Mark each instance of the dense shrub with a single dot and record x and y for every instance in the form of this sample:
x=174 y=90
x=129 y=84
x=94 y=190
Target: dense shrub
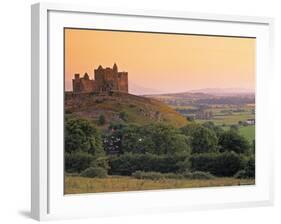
x=185 y=165
x=218 y=164
x=158 y=176
x=241 y=174
x=128 y=163
x=173 y=176
x=94 y=172
x=248 y=171
x=77 y=161
x=251 y=167
x=137 y=174
x=73 y=174
x=198 y=175
x=101 y=161
x=148 y=175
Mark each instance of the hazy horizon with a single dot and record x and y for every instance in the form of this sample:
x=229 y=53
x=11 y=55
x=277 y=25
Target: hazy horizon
x=163 y=63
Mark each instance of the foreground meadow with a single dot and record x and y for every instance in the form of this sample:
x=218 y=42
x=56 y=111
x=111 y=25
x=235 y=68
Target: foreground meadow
x=77 y=185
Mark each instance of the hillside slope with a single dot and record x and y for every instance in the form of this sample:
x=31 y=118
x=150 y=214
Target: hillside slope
x=137 y=109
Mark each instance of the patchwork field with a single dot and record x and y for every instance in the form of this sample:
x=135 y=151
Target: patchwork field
x=225 y=116
x=229 y=115
x=77 y=185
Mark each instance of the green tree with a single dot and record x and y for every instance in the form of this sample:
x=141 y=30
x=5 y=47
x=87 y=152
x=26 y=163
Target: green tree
x=232 y=141
x=202 y=139
x=133 y=139
x=154 y=138
x=82 y=135
x=190 y=128
x=210 y=125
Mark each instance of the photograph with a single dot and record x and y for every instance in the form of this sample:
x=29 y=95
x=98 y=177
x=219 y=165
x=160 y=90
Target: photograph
x=156 y=111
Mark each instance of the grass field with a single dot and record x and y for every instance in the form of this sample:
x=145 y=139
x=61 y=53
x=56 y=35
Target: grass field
x=77 y=185
x=229 y=119
x=248 y=132
x=229 y=115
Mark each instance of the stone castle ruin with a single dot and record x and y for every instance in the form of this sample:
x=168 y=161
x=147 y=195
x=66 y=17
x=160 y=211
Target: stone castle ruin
x=106 y=79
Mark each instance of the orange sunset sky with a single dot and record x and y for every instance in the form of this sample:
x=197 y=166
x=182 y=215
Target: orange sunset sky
x=163 y=63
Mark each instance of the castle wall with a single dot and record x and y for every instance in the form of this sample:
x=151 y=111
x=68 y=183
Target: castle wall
x=98 y=79
x=76 y=85
x=87 y=85
x=123 y=81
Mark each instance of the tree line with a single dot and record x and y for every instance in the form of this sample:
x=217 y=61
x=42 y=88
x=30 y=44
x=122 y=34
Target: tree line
x=127 y=149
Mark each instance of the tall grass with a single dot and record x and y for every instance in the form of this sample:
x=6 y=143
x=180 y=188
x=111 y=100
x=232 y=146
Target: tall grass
x=78 y=185
x=186 y=175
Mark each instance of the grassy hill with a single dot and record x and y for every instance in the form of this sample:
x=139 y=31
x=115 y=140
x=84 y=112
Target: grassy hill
x=116 y=106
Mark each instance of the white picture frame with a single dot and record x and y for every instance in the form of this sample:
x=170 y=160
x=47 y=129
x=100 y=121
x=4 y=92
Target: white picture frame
x=47 y=199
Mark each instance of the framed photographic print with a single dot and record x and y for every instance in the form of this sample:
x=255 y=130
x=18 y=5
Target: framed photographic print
x=138 y=111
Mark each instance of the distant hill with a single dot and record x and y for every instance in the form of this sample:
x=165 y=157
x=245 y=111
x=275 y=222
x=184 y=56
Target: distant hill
x=206 y=97
x=185 y=95
x=207 y=93
x=224 y=91
x=140 y=90
x=137 y=109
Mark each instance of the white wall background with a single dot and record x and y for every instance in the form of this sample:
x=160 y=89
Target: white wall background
x=15 y=110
